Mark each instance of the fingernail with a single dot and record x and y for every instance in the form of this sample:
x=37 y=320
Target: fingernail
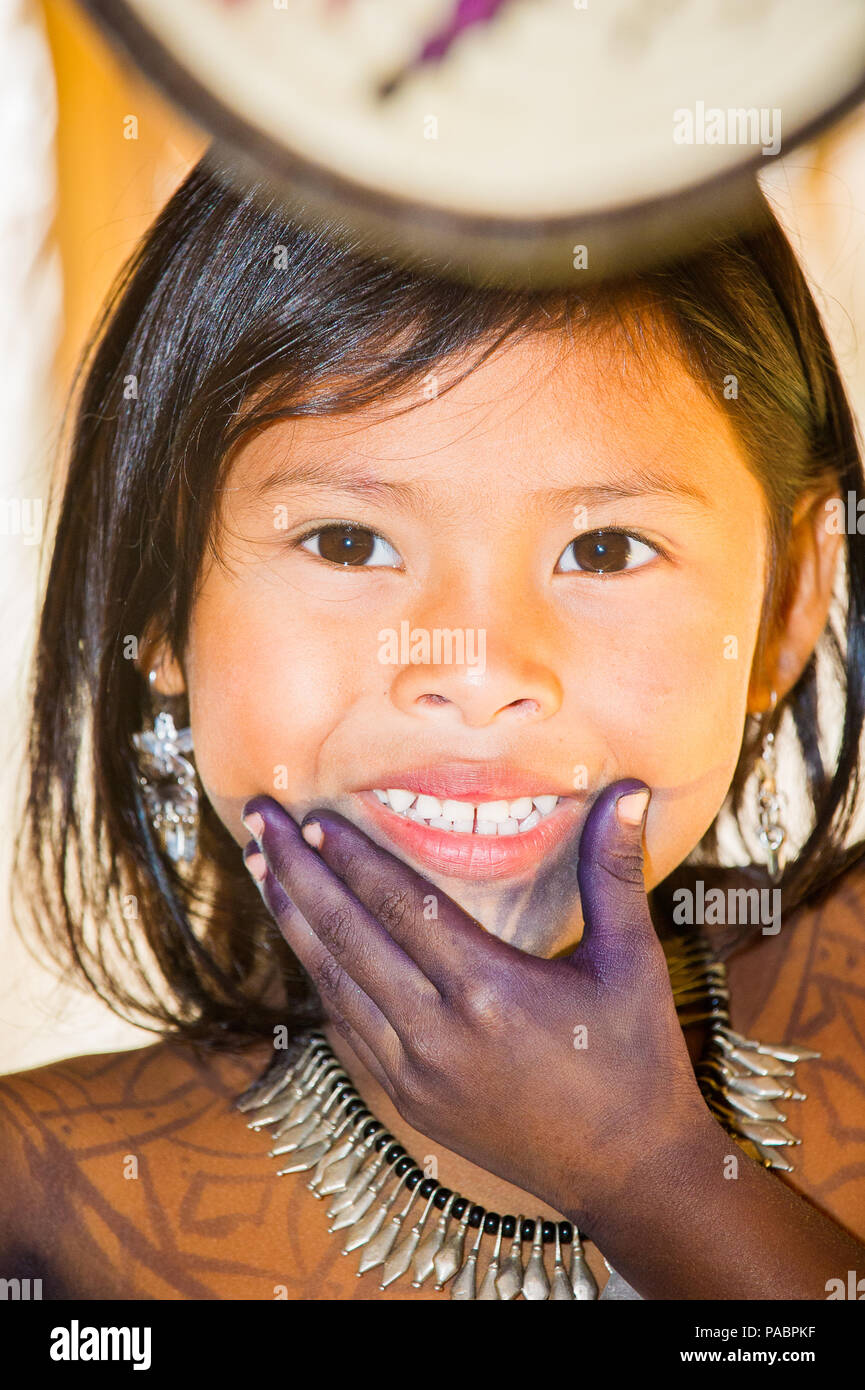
x=313 y=834
x=254 y=824
x=257 y=865
x=631 y=808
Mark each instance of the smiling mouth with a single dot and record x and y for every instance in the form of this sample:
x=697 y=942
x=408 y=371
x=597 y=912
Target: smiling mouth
x=505 y=837
x=514 y=817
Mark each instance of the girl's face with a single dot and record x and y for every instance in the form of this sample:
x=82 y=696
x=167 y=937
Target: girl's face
x=413 y=605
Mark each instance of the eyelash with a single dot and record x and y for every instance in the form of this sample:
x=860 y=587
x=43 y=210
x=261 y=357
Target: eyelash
x=602 y=531
x=299 y=543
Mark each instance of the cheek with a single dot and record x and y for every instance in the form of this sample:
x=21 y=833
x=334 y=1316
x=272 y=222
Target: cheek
x=673 y=714
x=265 y=692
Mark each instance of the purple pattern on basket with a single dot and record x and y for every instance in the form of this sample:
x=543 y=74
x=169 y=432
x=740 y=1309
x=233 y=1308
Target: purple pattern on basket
x=465 y=14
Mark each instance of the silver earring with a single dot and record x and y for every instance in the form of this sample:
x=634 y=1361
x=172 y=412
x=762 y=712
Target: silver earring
x=167 y=779
x=772 y=832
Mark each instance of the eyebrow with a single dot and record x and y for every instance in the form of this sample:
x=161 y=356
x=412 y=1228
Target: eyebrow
x=410 y=496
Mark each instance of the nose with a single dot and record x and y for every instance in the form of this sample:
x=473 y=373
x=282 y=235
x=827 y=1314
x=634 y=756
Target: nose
x=476 y=676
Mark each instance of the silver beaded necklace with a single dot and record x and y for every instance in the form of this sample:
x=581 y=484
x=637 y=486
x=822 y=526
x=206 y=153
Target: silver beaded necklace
x=319 y=1123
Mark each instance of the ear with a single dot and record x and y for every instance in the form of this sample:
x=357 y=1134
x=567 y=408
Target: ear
x=155 y=654
x=813 y=564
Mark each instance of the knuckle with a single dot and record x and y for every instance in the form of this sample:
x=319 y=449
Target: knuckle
x=625 y=866
x=393 y=908
x=486 y=1005
x=347 y=863
x=335 y=927
x=329 y=976
x=342 y=1027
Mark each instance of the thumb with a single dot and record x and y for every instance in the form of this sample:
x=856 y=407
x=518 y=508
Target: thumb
x=610 y=876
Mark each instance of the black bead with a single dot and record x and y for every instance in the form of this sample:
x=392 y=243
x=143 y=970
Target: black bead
x=370 y=1129
x=566 y=1232
x=394 y=1152
x=509 y=1227
x=427 y=1188
x=353 y=1106
x=491 y=1222
x=404 y=1165
x=527 y=1230
x=441 y=1198
x=382 y=1142
x=548 y=1231
x=414 y=1178
x=476 y=1216
x=459 y=1208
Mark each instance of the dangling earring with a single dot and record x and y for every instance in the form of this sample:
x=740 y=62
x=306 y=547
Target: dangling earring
x=167 y=779
x=772 y=832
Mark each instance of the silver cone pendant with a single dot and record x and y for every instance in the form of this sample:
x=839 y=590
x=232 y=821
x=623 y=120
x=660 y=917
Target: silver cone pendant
x=450 y=1257
x=583 y=1281
x=743 y=1082
x=617 y=1288
x=279 y=1074
x=464 y=1287
x=400 y=1259
x=423 y=1263
x=347 y=1197
x=536 y=1285
x=488 y=1291
x=561 y=1289
x=510 y=1281
x=377 y=1247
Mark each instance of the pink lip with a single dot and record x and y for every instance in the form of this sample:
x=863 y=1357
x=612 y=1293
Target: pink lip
x=472 y=856
x=470 y=781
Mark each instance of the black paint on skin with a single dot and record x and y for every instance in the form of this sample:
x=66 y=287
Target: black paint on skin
x=534 y=914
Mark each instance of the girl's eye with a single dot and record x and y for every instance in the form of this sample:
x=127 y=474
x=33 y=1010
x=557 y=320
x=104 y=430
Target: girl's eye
x=605 y=552
x=350 y=545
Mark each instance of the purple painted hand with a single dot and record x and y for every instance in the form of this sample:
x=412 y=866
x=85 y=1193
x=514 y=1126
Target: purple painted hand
x=561 y=1076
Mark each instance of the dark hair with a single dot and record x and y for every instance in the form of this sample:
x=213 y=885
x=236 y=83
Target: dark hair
x=228 y=316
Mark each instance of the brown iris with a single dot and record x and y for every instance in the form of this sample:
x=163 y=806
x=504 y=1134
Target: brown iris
x=601 y=551
x=345 y=545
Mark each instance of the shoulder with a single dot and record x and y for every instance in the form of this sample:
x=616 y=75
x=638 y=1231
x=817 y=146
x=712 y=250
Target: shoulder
x=72 y=1133
x=96 y=1095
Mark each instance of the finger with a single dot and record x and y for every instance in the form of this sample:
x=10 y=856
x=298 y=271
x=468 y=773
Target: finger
x=618 y=923
x=446 y=942
x=359 y=944
x=352 y=1012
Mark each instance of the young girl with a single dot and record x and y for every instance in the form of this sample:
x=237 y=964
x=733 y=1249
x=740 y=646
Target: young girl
x=377 y=604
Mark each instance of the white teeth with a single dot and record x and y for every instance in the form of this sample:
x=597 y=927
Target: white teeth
x=400 y=799
x=465 y=817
